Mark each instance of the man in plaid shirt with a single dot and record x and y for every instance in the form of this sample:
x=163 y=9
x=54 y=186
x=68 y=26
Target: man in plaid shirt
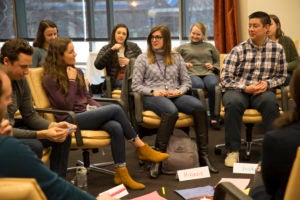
x=250 y=74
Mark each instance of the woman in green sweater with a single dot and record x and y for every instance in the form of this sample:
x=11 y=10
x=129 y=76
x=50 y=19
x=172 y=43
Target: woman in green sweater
x=203 y=63
x=291 y=53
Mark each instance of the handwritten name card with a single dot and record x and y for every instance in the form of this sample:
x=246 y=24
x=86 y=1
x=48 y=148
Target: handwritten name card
x=244 y=168
x=193 y=173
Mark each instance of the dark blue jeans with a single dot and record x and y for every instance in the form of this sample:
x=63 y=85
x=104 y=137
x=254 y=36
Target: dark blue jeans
x=35 y=145
x=59 y=155
x=118 y=84
x=112 y=119
x=208 y=82
x=185 y=103
x=235 y=103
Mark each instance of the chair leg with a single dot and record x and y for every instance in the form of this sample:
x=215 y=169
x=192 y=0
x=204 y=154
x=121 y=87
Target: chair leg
x=249 y=128
x=86 y=158
x=94 y=166
x=248 y=141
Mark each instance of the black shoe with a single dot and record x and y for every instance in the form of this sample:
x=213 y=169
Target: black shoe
x=204 y=161
x=155 y=170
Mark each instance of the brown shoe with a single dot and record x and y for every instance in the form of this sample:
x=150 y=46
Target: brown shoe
x=149 y=154
x=122 y=176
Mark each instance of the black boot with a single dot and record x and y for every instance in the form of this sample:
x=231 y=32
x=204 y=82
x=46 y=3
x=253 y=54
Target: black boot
x=164 y=132
x=201 y=129
x=155 y=170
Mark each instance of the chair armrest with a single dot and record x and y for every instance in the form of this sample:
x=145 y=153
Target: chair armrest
x=227 y=190
x=218 y=100
x=20 y=188
x=108 y=86
x=284 y=98
x=71 y=114
x=111 y=101
x=138 y=107
x=200 y=94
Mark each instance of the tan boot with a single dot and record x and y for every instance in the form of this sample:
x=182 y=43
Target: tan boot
x=147 y=153
x=122 y=176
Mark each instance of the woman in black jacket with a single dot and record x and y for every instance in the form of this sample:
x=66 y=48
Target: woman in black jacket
x=118 y=55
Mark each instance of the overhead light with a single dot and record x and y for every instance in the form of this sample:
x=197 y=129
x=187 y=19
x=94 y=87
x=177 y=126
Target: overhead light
x=134 y=4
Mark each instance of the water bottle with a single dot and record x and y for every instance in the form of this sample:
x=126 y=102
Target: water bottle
x=121 y=55
x=81 y=177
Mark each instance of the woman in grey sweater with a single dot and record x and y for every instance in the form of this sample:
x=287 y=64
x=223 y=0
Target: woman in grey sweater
x=162 y=77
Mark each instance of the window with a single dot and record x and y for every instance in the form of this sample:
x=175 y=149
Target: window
x=140 y=16
x=69 y=16
x=6 y=20
x=90 y=21
x=198 y=10
x=100 y=19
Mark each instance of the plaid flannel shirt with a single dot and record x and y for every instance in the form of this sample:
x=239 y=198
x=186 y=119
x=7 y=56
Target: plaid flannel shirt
x=247 y=64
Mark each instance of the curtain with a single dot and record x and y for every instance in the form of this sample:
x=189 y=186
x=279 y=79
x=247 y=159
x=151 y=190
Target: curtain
x=226 y=34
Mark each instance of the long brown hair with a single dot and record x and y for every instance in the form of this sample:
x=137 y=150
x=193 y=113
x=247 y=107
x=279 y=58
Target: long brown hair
x=55 y=66
x=40 y=37
x=166 y=47
x=293 y=116
x=278 y=32
x=112 y=42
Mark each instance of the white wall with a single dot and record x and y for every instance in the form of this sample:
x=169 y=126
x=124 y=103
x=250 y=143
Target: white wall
x=288 y=12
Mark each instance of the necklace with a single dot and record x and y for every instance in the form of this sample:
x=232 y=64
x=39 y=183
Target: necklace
x=164 y=75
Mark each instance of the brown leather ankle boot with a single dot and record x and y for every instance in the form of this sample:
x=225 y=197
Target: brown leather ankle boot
x=122 y=176
x=149 y=154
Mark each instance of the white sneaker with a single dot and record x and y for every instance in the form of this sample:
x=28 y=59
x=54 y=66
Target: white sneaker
x=231 y=158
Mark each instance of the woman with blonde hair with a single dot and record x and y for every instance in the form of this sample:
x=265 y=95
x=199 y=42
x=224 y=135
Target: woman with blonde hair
x=202 y=61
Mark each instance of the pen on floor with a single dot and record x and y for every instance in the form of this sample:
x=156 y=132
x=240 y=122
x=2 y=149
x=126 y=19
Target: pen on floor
x=163 y=190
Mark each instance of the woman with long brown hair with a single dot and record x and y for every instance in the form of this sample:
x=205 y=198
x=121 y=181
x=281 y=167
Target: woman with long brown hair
x=161 y=76
x=66 y=89
x=118 y=55
x=46 y=32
